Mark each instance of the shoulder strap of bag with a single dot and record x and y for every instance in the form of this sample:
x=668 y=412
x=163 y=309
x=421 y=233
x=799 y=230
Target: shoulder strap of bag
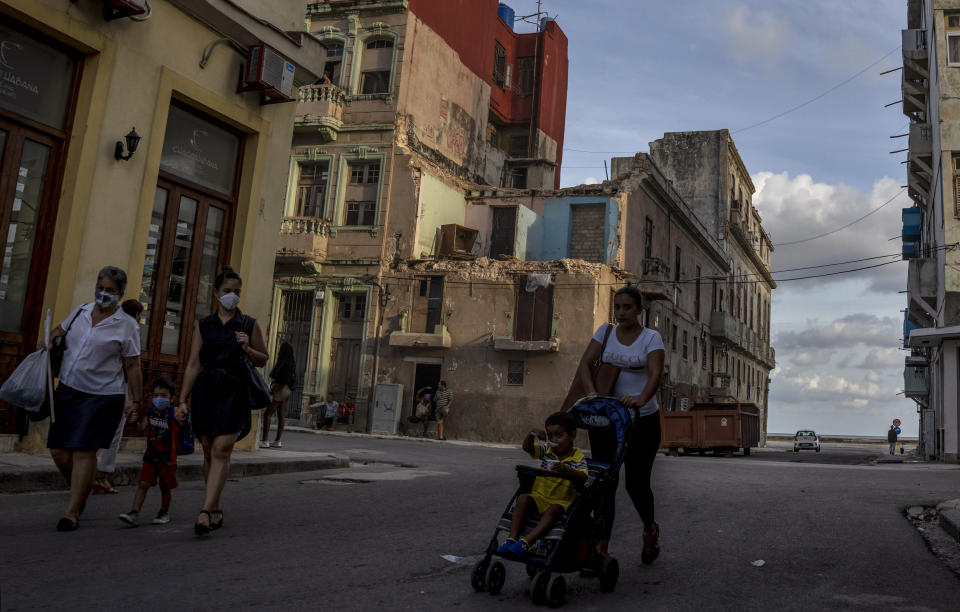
x=76 y=314
x=603 y=346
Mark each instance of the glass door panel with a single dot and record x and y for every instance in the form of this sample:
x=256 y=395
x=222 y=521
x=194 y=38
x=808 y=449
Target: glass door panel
x=21 y=232
x=150 y=262
x=210 y=257
x=179 y=268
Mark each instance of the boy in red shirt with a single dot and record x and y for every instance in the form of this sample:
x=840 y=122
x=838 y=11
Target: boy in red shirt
x=160 y=458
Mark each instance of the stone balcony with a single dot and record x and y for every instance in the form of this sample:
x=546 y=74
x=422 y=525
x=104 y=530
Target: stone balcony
x=320 y=107
x=303 y=238
x=723 y=326
x=421 y=340
x=654 y=278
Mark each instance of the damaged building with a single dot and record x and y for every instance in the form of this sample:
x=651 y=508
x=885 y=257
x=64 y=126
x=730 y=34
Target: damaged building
x=425 y=236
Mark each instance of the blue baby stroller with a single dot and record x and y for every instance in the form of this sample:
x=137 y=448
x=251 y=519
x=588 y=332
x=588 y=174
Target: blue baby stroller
x=570 y=545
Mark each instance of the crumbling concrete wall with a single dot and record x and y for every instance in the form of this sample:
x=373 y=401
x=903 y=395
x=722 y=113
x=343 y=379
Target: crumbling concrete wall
x=479 y=304
x=695 y=163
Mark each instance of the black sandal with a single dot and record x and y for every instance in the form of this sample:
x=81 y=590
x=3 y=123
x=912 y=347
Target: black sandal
x=201 y=529
x=218 y=524
x=66 y=524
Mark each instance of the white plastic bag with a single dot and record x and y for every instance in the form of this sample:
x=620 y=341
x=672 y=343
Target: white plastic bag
x=27 y=385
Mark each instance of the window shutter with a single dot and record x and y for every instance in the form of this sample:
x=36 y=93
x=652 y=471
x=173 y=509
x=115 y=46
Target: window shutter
x=956 y=195
x=534 y=315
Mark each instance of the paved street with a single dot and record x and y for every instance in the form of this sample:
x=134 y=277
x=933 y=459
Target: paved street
x=829 y=529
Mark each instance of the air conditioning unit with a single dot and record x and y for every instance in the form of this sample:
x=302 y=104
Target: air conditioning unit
x=115 y=9
x=270 y=72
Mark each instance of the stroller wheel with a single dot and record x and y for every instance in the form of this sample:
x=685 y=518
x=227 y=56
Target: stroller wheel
x=609 y=574
x=538 y=588
x=478 y=579
x=557 y=591
x=495 y=577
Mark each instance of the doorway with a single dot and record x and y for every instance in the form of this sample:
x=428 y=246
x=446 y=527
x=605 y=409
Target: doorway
x=425 y=375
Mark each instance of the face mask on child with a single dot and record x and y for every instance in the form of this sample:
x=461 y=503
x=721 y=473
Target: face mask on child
x=161 y=403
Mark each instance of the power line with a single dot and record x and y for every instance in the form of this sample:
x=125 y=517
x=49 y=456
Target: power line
x=844 y=226
x=815 y=98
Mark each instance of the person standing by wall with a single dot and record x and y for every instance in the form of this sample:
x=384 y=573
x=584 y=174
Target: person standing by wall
x=102 y=343
x=284 y=377
x=442 y=401
x=215 y=387
x=107 y=457
x=892 y=439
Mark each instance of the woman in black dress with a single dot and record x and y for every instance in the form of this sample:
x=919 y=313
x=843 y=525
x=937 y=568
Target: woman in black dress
x=215 y=383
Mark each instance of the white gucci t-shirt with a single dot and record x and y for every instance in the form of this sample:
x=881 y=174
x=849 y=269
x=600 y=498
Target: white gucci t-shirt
x=632 y=361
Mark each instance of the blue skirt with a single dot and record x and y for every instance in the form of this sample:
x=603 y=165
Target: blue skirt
x=84 y=421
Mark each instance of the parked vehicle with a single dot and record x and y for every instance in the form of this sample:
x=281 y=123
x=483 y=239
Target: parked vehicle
x=806 y=438
x=721 y=425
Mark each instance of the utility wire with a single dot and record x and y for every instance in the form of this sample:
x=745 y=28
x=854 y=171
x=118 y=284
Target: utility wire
x=815 y=98
x=844 y=226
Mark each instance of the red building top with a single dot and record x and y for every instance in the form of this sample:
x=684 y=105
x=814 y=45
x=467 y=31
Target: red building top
x=473 y=29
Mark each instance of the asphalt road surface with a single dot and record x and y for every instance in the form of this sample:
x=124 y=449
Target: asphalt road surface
x=828 y=528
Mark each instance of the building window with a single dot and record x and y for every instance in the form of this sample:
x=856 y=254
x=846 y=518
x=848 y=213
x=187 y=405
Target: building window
x=676 y=271
x=685 y=344
x=518 y=178
x=312 y=189
x=499 y=66
x=533 y=319
x=427 y=315
x=360 y=213
x=361 y=194
x=648 y=238
x=376 y=66
x=703 y=354
x=352 y=307
x=503 y=231
x=515 y=372
x=375 y=82
x=517 y=146
x=525 y=66
x=673 y=338
x=696 y=297
x=333 y=65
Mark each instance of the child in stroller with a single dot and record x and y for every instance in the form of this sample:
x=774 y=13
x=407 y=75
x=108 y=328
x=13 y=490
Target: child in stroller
x=569 y=543
x=550 y=497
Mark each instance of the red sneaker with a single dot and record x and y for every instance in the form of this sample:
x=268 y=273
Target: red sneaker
x=651 y=544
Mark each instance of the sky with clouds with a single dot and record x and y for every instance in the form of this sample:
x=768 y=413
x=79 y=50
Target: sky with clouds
x=639 y=69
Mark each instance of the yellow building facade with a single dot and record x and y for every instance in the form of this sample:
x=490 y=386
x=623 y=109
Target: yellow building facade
x=203 y=189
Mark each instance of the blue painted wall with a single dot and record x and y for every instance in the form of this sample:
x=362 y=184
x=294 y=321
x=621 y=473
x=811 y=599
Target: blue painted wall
x=554 y=232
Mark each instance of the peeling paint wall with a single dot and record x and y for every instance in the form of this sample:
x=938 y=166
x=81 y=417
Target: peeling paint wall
x=556 y=232
x=440 y=204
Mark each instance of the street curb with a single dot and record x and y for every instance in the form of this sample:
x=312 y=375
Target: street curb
x=950 y=522
x=31 y=480
x=386 y=436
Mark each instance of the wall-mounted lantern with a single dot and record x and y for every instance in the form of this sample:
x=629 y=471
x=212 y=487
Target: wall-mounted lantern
x=133 y=140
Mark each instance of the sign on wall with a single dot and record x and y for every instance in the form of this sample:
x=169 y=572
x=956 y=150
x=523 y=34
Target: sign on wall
x=35 y=78
x=199 y=151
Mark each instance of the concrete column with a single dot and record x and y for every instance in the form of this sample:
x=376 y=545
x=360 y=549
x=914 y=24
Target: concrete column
x=951 y=418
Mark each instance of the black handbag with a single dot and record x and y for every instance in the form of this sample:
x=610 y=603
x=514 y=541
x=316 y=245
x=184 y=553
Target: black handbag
x=258 y=393
x=58 y=346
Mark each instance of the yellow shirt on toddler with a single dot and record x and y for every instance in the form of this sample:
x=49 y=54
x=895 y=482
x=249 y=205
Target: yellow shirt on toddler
x=547 y=491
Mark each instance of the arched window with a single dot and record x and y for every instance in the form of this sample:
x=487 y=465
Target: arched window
x=376 y=65
x=333 y=64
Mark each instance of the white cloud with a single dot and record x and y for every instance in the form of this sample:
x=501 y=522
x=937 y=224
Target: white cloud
x=590 y=180
x=842 y=333
x=797 y=208
x=757 y=37
x=882 y=358
x=814 y=357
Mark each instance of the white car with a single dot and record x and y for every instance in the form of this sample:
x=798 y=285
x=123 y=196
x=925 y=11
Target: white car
x=806 y=438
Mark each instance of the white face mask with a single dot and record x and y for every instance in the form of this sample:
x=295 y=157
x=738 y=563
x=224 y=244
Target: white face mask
x=229 y=300
x=105 y=300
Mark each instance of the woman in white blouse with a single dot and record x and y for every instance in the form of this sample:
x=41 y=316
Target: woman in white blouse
x=101 y=343
x=639 y=353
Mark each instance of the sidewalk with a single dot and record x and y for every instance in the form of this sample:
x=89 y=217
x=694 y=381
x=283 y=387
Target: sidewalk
x=20 y=472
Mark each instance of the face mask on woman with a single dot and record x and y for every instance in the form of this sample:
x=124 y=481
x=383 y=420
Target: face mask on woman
x=229 y=300
x=105 y=300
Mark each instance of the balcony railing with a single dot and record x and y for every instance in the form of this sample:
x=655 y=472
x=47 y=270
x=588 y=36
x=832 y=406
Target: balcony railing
x=321 y=107
x=303 y=238
x=653 y=279
x=916 y=382
x=921 y=139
